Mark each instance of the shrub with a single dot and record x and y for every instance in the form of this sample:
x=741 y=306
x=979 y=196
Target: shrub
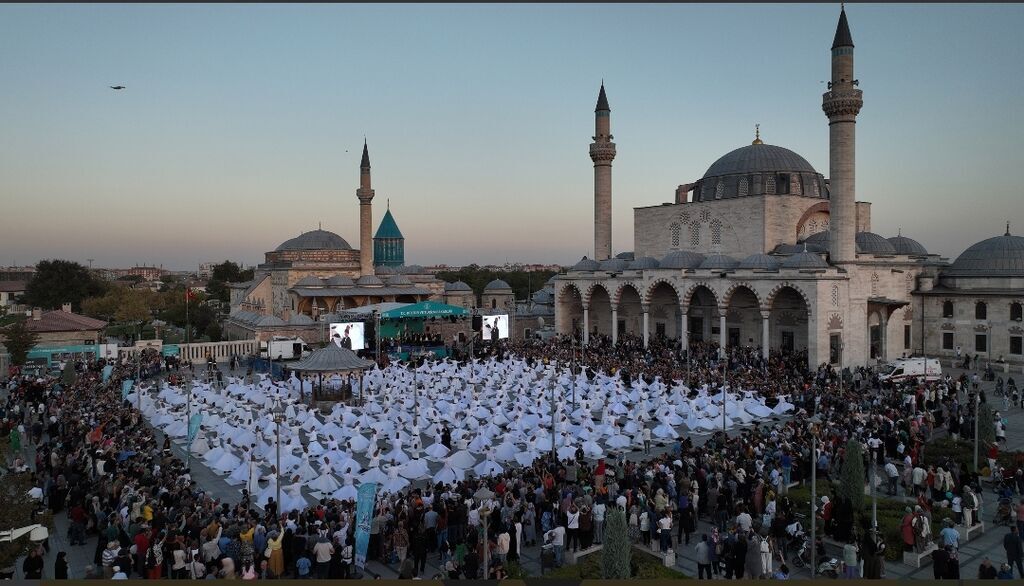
x=616 y=551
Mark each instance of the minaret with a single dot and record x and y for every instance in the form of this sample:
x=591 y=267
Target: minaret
x=841 y=104
x=365 y=195
x=602 y=151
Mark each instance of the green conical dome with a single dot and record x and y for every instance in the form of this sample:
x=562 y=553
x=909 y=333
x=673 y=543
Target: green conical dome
x=388 y=228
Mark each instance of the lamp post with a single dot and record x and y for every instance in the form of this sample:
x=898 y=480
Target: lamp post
x=554 y=455
x=188 y=424
x=977 y=419
x=572 y=370
x=814 y=421
x=485 y=496
x=278 y=417
x=725 y=400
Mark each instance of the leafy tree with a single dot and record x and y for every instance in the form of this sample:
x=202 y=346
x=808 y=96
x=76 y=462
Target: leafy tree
x=851 y=477
x=16 y=510
x=19 y=340
x=224 y=273
x=213 y=331
x=61 y=281
x=617 y=552
x=986 y=425
x=133 y=308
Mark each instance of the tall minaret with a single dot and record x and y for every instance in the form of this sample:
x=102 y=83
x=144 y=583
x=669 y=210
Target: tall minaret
x=365 y=195
x=841 y=104
x=602 y=151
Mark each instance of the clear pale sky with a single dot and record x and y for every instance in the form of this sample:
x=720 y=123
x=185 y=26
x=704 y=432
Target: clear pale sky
x=241 y=125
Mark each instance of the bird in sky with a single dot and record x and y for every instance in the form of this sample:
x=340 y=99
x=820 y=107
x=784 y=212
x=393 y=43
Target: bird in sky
x=117 y=87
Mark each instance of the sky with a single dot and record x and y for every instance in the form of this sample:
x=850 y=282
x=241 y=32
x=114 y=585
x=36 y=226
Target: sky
x=241 y=126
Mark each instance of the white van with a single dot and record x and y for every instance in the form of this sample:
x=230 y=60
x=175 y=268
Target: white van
x=912 y=369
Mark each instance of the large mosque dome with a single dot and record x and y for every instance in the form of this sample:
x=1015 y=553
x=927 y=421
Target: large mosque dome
x=315 y=240
x=759 y=158
x=759 y=169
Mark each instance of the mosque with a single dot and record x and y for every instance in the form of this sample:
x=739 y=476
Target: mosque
x=765 y=251
x=318 y=273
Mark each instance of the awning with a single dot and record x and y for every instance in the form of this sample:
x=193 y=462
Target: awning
x=425 y=309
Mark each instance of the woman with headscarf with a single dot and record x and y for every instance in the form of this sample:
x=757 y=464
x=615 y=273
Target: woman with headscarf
x=275 y=541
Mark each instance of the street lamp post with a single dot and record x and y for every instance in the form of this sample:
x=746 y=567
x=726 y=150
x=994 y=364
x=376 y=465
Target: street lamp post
x=188 y=425
x=572 y=370
x=977 y=420
x=554 y=455
x=278 y=416
x=814 y=421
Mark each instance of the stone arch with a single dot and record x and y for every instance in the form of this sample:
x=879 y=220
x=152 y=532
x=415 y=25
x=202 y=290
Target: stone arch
x=617 y=295
x=589 y=293
x=769 y=299
x=662 y=297
x=660 y=280
x=820 y=207
x=569 y=308
x=565 y=290
x=599 y=302
x=687 y=297
x=727 y=296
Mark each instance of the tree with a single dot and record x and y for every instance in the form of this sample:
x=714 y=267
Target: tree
x=224 y=273
x=986 y=425
x=213 y=332
x=19 y=340
x=61 y=281
x=617 y=551
x=851 y=477
x=16 y=510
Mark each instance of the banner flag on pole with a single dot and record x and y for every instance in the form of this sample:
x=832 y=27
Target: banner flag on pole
x=365 y=497
x=126 y=387
x=106 y=372
x=193 y=426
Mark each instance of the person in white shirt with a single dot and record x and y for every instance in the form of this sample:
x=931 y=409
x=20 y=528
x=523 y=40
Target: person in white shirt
x=556 y=539
x=744 y=521
x=647 y=440
x=894 y=476
x=572 y=517
x=665 y=531
x=598 y=512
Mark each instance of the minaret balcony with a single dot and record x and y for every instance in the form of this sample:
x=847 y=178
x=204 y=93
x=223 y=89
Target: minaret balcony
x=842 y=102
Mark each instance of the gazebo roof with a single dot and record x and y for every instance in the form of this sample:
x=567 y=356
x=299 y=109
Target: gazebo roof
x=332 y=358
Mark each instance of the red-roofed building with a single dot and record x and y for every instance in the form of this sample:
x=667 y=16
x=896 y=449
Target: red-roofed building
x=63 y=328
x=9 y=290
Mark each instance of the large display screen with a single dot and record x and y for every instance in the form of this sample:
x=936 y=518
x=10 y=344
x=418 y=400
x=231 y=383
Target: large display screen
x=349 y=335
x=495 y=327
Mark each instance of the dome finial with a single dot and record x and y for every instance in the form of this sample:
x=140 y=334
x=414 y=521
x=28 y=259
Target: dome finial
x=899 y=231
x=757 y=134
x=1007 y=227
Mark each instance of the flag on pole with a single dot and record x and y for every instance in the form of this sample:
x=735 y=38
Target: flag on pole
x=365 y=496
x=190 y=293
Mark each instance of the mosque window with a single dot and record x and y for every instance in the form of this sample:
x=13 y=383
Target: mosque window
x=719 y=189
x=756 y=187
x=694 y=234
x=947 y=309
x=835 y=295
x=1016 y=312
x=770 y=187
x=981 y=310
x=716 y=232
x=874 y=284
x=743 y=186
x=674 y=229
x=814 y=188
x=796 y=186
x=782 y=184
x=705 y=191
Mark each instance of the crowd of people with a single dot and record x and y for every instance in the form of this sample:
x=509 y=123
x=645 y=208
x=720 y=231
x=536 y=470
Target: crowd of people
x=98 y=464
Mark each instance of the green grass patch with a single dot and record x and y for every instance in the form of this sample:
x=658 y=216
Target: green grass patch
x=645 y=566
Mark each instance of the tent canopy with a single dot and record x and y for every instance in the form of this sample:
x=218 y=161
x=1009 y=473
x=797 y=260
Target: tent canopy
x=332 y=358
x=424 y=309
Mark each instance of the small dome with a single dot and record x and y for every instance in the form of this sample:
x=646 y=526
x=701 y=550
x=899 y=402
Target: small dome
x=270 y=320
x=719 y=262
x=309 y=281
x=339 y=281
x=871 y=243
x=383 y=270
x=1002 y=256
x=625 y=256
x=411 y=270
x=369 y=281
x=613 y=265
x=457 y=286
x=315 y=240
x=644 y=262
x=550 y=281
x=398 y=281
x=586 y=264
x=497 y=285
x=908 y=246
x=682 y=259
x=760 y=262
x=300 y=319
x=789 y=248
x=818 y=238
x=805 y=260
